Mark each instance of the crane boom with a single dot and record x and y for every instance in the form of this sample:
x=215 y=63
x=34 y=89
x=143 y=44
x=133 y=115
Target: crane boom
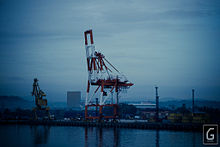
x=105 y=76
x=40 y=100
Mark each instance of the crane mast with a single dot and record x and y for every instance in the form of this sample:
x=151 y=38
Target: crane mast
x=105 y=77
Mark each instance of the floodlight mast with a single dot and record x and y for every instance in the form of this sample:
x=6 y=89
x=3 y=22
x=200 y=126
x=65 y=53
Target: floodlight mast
x=104 y=78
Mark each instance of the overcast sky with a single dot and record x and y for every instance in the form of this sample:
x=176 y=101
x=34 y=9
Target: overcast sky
x=174 y=44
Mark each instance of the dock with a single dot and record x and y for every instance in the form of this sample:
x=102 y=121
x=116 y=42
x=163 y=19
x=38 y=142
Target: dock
x=133 y=125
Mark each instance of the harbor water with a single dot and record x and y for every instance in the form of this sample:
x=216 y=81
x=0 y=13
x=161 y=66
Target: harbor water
x=69 y=136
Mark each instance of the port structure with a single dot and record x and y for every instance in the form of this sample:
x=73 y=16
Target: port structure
x=106 y=79
x=157 y=105
x=193 y=91
x=40 y=100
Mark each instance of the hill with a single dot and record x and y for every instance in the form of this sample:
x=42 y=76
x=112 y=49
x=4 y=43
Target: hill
x=13 y=102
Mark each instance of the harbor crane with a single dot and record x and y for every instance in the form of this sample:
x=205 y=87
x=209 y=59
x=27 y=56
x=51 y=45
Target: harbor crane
x=106 y=79
x=40 y=101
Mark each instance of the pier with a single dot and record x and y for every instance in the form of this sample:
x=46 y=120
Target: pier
x=133 y=125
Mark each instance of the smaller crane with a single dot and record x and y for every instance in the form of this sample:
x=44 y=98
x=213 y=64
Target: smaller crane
x=40 y=101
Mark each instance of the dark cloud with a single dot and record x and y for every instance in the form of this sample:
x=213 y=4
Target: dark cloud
x=170 y=43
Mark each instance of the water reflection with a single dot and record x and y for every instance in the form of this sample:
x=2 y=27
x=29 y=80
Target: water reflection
x=109 y=137
x=94 y=136
x=40 y=134
x=116 y=137
x=194 y=139
x=100 y=137
x=86 y=137
x=157 y=138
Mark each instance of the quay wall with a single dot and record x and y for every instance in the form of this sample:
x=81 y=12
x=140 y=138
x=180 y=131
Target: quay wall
x=135 y=125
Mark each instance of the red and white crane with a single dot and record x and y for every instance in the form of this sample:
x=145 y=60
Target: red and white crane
x=104 y=77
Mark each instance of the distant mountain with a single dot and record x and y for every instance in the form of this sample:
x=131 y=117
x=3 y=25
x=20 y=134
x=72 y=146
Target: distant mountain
x=170 y=102
x=188 y=103
x=164 y=99
x=57 y=105
x=13 y=102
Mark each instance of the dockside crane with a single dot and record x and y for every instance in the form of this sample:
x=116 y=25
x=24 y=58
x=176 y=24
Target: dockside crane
x=105 y=78
x=40 y=100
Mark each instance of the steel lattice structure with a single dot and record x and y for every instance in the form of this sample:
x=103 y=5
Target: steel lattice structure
x=105 y=77
x=40 y=101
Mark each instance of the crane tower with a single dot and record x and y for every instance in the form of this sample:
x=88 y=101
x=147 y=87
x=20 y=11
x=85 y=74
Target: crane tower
x=106 y=79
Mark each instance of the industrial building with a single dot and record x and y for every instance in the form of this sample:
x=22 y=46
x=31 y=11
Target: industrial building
x=73 y=99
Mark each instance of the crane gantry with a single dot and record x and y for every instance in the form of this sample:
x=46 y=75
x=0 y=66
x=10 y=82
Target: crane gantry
x=105 y=77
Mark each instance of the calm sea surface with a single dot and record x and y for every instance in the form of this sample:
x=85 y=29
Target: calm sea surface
x=58 y=136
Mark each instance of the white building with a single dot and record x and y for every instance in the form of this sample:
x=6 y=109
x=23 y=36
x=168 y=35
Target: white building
x=73 y=99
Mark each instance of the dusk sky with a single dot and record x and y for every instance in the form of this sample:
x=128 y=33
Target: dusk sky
x=173 y=44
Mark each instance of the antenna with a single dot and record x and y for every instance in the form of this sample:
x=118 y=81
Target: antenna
x=157 y=104
x=193 y=91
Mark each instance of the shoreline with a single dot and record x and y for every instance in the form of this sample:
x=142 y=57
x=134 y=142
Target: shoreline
x=132 y=125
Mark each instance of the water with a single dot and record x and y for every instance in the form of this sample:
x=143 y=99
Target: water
x=63 y=136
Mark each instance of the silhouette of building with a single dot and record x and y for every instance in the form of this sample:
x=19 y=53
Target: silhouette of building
x=73 y=99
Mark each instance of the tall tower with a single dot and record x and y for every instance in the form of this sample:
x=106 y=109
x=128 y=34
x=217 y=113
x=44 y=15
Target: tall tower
x=105 y=77
x=193 y=91
x=157 y=104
